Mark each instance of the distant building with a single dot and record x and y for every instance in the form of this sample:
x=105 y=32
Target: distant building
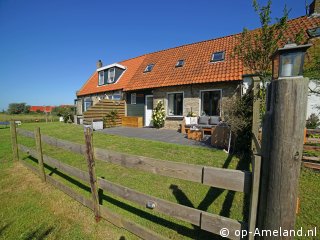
x=47 y=109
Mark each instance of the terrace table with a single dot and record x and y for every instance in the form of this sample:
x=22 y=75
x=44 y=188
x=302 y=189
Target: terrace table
x=195 y=134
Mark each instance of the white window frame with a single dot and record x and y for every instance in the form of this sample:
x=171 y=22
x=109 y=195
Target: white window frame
x=167 y=105
x=133 y=98
x=101 y=78
x=224 y=56
x=85 y=105
x=209 y=90
x=111 y=77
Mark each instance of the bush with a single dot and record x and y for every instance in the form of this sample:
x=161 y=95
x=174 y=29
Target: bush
x=110 y=119
x=313 y=121
x=158 y=115
x=238 y=115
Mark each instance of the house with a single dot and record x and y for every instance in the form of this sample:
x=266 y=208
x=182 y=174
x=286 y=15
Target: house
x=197 y=77
x=47 y=109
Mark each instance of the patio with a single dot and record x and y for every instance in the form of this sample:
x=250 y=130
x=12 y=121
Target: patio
x=162 y=135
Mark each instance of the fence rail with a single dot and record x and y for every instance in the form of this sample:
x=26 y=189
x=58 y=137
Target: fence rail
x=229 y=179
x=222 y=178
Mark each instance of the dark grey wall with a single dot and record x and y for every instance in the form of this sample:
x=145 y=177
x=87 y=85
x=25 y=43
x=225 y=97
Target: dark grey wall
x=136 y=110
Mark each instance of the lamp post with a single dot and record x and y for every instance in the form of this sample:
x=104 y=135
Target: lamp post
x=282 y=141
x=288 y=61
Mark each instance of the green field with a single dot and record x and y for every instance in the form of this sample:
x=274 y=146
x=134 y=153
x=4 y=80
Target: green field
x=27 y=118
x=18 y=180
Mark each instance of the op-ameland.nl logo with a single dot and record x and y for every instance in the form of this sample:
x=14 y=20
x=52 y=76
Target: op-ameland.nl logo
x=224 y=232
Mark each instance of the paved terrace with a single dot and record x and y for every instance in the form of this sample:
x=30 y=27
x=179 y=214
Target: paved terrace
x=162 y=135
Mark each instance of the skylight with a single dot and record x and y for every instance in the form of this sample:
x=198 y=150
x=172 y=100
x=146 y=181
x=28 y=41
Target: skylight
x=180 y=63
x=149 y=67
x=314 y=32
x=218 y=56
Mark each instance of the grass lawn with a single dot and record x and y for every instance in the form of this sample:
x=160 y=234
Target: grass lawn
x=223 y=202
x=30 y=209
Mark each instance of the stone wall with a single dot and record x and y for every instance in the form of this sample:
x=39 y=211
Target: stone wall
x=192 y=98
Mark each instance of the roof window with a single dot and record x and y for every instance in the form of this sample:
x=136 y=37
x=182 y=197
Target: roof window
x=149 y=67
x=180 y=63
x=314 y=32
x=218 y=56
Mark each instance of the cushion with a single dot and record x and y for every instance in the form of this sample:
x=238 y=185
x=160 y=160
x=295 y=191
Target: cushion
x=204 y=120
x=214 y=120
x=193 y=120
x=204 y=126
x=187 y=120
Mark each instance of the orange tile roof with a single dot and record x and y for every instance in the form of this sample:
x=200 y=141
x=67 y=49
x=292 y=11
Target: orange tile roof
x=197 y=67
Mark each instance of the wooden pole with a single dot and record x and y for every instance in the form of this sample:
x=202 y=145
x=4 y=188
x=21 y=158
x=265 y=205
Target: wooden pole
x=256 y=121
x=282 y=147
x=14 y=141
x=37 y=136
x=92 y=172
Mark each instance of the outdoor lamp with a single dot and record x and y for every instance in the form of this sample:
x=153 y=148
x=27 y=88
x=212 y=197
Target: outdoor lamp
x=288 y=61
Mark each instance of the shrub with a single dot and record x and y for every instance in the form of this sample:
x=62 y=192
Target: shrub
x=313 y=121
x=238 y=115
x=110 y=119
x=158 y=115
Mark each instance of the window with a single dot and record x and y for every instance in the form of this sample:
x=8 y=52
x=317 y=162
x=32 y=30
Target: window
x=314 y=32
x=175 y=104
x=101 y=77
x=218 y=56
x=87 y=104
x=111 y=74
x=107 y=76
x=149 y=68
x=180 y=63
x=210 y=103
x=133 y=98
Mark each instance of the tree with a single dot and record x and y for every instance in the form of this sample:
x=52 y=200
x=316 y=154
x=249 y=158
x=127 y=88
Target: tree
x=66 y=112
x=312 y=66
x=17 y=108
x=256 y=48
x=313 y=121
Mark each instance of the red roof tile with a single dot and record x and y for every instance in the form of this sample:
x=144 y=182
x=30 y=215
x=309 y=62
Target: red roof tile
x=197 y=66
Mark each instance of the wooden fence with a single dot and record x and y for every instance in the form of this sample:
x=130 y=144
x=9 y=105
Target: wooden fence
x=235 y=180
x=311 y=143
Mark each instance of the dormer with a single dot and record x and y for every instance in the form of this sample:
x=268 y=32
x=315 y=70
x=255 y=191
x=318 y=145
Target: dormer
x=110 y=74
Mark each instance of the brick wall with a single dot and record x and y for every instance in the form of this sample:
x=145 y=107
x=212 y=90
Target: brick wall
x=192 y=98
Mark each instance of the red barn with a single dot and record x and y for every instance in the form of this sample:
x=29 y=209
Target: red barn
x=41 y=108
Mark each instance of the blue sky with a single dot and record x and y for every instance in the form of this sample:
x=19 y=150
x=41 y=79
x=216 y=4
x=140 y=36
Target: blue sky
x=48 y=49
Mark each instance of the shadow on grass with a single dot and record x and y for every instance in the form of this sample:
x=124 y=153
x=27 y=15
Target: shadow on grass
x=196 y=232
x=3 y=228
x=39 y=234
x=213 y=194
x=183 y=230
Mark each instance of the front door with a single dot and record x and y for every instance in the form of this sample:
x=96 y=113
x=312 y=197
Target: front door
x=148 y=111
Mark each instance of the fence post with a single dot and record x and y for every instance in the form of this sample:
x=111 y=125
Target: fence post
x=282 y=146
x=92 y=172
x=14 y=141
x=256 y=167
x=256 y=121
x=37 y=137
